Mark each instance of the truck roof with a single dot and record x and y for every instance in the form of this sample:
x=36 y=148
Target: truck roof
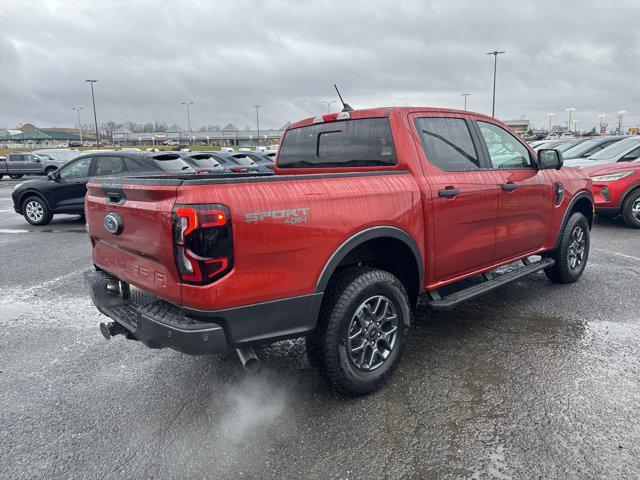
x=378 y=112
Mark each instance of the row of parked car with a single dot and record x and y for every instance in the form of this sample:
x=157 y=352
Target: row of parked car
x=63 y=188
x=613 y=163
x=588 y=152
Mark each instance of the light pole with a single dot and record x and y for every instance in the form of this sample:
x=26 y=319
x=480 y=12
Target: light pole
x=188 y=104
x=620 y=114
x=465 y=95
x=328 y=104
x=77 y=110
x=95 y=117
x=257 y=107
x=601 y=116
x=569 y=109
x=575 y=126
x=495 y=68
x=550 y=115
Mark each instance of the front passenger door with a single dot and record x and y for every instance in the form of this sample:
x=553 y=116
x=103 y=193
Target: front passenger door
x=526 y=194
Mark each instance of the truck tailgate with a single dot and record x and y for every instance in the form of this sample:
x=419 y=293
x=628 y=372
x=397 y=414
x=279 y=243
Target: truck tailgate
x=141 y=253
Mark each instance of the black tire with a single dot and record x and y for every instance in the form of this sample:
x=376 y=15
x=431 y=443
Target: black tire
x=15 y=177
x=630 y=203
x=569 y=262
x=1 y=176
x=36 y=211
x=349 y=294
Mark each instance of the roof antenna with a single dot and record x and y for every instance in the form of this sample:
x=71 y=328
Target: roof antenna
x=345 y=106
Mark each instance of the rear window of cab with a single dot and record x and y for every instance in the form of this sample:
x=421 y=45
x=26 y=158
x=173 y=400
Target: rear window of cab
x=350 y=143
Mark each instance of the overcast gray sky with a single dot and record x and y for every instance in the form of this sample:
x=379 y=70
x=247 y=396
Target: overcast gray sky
x=285 y=56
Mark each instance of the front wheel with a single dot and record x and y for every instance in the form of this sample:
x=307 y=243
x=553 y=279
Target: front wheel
x=572 y=254
x=15 y=176
x=36 y=212
x=631 y=210
x=362 y=330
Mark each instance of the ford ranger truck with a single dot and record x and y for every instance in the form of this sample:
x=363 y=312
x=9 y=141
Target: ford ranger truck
x=367 y=211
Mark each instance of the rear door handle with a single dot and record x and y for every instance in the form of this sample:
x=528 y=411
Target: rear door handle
x=449 y=192
x=509 y=186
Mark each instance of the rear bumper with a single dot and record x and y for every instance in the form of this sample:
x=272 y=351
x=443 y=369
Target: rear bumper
x=160 y=324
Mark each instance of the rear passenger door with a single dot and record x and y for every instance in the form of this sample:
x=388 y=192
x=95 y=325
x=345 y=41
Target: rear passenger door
x=464 y=195
x=526 y=194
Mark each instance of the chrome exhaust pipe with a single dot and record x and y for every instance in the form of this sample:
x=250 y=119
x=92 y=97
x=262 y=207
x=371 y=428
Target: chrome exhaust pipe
x=248 y=359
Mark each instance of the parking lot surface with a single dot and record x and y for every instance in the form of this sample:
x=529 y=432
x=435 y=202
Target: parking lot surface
x=534 y=380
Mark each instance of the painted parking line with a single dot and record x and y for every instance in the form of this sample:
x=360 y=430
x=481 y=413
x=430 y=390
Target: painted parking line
x=7 y=230
x=624 y=255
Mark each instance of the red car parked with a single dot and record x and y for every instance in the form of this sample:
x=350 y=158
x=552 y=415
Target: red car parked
x=616 y=190
x=366 y=211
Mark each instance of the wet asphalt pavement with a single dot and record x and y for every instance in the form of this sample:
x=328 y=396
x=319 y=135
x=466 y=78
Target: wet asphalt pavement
x=533 y=381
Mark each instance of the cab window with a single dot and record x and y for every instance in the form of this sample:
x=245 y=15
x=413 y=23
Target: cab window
x=77 y=169
x=505 y=151
x=447 y=143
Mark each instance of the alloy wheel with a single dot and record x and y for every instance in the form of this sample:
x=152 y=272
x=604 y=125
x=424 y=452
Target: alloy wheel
x=373 y=332
x=635 y=209
x=577 y=248
x=34 y=211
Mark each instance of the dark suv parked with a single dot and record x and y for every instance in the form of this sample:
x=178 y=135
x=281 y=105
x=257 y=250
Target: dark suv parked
x=63 y=191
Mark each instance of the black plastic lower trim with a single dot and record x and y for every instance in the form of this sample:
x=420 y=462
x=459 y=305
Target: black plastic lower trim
x=159 y=324
x=608 y=211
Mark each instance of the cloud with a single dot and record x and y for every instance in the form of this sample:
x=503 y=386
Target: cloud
x=285 y=56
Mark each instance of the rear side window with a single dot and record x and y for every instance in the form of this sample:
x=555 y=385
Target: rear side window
x=133 y=165
x=109 y=165
x=352 y=143
x=447 y=143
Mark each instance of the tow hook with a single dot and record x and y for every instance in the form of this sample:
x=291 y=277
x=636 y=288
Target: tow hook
x=248 y=359
x=111 y=329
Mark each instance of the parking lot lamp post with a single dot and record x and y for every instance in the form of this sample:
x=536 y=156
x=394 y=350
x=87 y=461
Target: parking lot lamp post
x=550 y=115
x=140 y=140
x=95 y=117
x=602 y=115
x=208 y=142
x=257 y=107
x=575 y=126
x=328 y=104
x=188 y=104
x=620 y=117
x=77 y=110
x=569 y=109
x=495 y=68
x=465 y=95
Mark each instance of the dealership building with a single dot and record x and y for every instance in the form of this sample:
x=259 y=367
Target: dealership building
x=229 y=136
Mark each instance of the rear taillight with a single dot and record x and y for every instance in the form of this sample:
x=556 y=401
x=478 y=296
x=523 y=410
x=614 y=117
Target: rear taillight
x=203 y=172
x=270 y=165
x=202 y=242
x=239 y=169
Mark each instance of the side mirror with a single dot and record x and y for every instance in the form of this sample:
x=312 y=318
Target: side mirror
x=53 y=175
x=549 y=158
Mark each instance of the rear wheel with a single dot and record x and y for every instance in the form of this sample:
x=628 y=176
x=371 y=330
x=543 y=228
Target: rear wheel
x=50 y=170
x=362 y=330
x=15 y=176
x=631 y=209
x=572 y=254
x=36 y=211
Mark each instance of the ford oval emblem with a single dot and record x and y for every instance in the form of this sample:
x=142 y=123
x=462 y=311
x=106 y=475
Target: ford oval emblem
x=113 y=223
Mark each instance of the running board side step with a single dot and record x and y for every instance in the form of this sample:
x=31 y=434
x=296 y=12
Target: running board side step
x=491 y=283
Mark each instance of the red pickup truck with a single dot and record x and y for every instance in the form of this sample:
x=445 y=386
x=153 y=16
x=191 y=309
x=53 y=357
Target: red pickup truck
x=367 y=211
